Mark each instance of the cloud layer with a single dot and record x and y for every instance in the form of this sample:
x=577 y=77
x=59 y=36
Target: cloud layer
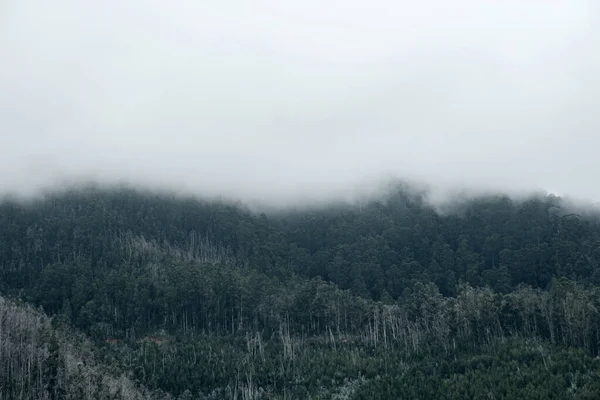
x=280 y=102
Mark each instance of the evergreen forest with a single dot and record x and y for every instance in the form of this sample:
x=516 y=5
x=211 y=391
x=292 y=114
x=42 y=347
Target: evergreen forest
x=123 y=293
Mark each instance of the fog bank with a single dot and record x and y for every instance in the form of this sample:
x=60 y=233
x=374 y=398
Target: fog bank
x=287 y=103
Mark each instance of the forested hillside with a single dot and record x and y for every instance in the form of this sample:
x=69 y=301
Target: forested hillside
x=40 y=360
x=494 y=298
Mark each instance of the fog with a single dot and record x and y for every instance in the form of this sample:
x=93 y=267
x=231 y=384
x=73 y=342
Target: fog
x=285 y=102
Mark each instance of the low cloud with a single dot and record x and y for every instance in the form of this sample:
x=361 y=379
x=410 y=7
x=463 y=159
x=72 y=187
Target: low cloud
x=286 y=103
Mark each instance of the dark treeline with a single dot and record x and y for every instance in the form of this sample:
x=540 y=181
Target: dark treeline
x=202 y=299
x=375 y=250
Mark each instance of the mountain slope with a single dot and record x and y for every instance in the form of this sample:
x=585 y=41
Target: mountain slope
x=39 y=361
x=210 y=300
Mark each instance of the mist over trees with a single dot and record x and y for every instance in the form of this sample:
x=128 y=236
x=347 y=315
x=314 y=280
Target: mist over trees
x=387 y=298
x=201 y=200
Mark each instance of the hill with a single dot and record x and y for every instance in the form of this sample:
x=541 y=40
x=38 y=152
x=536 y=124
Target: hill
x=391 y=298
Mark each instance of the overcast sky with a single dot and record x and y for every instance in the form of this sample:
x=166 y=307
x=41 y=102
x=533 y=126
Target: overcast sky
x=280 y=100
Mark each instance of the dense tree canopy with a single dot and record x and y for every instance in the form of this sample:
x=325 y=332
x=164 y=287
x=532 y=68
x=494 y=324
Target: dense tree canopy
x=391 y=298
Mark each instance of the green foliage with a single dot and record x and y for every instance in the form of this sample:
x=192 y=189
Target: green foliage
x=392 y=299
x=514 y=369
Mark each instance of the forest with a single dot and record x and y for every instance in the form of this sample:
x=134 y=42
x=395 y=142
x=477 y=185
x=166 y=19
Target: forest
x=123 y=293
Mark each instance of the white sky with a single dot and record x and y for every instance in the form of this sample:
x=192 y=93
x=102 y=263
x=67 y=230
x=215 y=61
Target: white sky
x=283 y=101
